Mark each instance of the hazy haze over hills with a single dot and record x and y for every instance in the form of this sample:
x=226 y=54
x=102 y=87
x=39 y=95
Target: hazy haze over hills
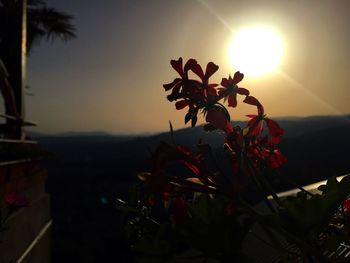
x=104 y=155
x=293 y=126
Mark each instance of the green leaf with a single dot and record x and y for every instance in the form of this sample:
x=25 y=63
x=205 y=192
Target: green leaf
x=200 y=208
x=307 y=218
x=210 y=230
x=160 y=246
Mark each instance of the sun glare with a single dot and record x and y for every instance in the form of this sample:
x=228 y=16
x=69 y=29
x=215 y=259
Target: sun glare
x=255 y=51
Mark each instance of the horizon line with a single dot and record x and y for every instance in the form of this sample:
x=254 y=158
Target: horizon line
x=143 y=133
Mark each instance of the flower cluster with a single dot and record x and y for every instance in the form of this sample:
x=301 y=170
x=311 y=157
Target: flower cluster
x=252 y=149
x=204 y=203
x=249 y=147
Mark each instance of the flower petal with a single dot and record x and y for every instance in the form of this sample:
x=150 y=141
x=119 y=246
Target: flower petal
x=211 y=69
x=218 y=118
x=277 y=159
x=223 y=92
x=254 y=101
x=193 y=167
x=232 y=100
x=226 y=82
x=177 y=65
x=274 y=129
x=243 y=91
x=175 y=93
x=237 y=77
x=181 y=104
x=171 y=85
x=190 y=64
x=251 y=100
x=197 y=69
x=211 y=89
x=255 y=125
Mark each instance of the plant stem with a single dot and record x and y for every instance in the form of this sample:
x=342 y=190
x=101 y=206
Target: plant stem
x=267 y=184
x=260 y=186
x=266 y=201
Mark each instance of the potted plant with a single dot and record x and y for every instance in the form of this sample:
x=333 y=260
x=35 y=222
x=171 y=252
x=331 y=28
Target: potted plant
x=189 y=207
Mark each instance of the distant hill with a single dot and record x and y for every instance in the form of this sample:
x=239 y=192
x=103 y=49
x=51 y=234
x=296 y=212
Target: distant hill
x=123 y=156
x=293 y=127
x=83 y=134
x=74 y=137
x=298 y=126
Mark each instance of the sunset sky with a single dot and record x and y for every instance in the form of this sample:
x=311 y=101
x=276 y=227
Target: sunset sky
x=110 y=77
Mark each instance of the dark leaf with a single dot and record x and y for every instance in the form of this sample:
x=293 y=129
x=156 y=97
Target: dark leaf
x=188 y=117
x=171 y=132
x=194 y=121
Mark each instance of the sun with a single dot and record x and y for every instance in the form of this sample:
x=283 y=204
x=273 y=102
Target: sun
x=255 y=51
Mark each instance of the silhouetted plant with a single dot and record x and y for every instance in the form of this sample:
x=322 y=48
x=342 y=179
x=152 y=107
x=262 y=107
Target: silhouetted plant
x=201 y=207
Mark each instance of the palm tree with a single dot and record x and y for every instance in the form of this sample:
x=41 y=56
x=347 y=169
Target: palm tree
x=42 y=22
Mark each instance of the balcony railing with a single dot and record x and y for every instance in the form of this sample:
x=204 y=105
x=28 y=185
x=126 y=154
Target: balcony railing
x=21 y=172
x=12 y=130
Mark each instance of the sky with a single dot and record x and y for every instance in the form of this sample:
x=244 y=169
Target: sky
x=110 y=77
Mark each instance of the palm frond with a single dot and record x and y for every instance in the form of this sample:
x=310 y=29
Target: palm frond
x=49 y=23
x=54 y=23
x=42 y=22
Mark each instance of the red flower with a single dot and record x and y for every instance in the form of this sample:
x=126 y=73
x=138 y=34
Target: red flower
x=209 y=71
x=230 y=89
x=181 y=86
x=235 y=145
x=255 y=123
x=274 y=157
x=179 y=209
x=249 y=153
x=254 y=101
x=181 y=104
x=188 y=159
x=183 y=72
x=275 y=130
x=346 y=206
x=218 y=118
x=15 y=201
x=164 y=155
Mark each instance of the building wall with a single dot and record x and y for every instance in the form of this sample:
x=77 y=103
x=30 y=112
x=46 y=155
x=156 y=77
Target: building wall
x=27 y=238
